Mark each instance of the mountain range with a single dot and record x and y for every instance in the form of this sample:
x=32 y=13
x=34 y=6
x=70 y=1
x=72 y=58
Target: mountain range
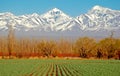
x=96 y=19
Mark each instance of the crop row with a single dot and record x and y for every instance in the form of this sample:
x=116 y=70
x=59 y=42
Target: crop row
x=58 y=67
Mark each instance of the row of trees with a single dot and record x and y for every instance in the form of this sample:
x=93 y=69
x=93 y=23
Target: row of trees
x=83 y=47
x=105 y=48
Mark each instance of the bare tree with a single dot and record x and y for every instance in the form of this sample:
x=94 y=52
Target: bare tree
x=84 y=46
x=46 y=47
x=10 y=38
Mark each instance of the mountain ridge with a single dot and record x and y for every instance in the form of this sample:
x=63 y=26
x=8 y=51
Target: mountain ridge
x=98 y=18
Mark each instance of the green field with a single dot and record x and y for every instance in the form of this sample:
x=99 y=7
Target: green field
x=59 y=67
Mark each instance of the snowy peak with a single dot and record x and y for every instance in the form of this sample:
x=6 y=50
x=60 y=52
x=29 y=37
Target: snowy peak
x=7 y=14
x=98 y=18
x=97 y=7
x=35 y=14
x=103 y=10
x=54 y=13
x=55 y=17
x=56 y=9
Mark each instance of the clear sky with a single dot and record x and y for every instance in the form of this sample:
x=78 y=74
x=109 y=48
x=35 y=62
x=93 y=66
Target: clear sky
x=70 y=7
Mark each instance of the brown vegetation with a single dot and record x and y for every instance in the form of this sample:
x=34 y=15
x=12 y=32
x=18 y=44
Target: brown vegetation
x=83 y=47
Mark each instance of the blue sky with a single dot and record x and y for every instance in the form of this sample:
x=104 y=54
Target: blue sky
x=70 y=7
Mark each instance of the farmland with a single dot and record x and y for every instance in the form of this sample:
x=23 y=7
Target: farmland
x=59 y=67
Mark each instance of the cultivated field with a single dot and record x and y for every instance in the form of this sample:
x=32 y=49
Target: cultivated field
x=59 y=67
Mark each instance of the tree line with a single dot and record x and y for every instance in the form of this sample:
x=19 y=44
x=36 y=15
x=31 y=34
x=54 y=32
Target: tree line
x=83 y=47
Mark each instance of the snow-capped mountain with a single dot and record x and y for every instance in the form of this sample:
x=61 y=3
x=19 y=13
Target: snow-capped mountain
x=56 y=20
x=98 y=18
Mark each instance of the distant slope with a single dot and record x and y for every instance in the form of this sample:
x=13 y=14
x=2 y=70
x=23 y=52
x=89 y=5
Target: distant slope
x=98 y=19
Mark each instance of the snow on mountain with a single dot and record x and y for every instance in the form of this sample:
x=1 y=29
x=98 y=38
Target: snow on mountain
x=55 y=15
x=56 y=19
x=98 y=18
x=5 y=20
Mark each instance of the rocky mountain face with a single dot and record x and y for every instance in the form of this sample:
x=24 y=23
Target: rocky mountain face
x=98 y=18
x=98 y=21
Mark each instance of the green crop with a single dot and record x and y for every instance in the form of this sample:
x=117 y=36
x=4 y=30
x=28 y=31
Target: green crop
x=59 y=67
